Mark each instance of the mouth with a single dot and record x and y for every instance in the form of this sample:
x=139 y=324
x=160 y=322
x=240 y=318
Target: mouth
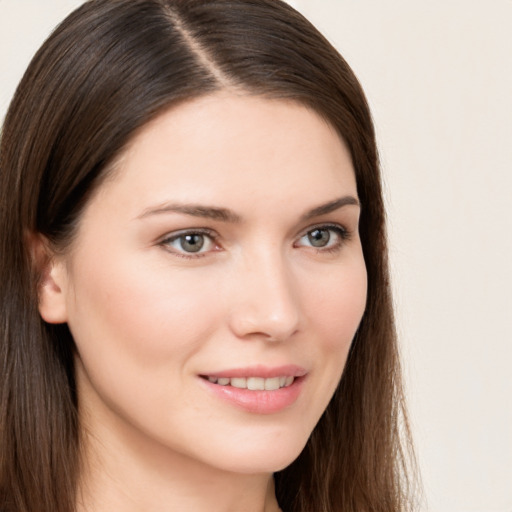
x=253 y=383
x=258 y=389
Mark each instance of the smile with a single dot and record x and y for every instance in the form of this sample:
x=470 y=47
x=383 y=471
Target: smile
x=254 y=383
x=257 y=389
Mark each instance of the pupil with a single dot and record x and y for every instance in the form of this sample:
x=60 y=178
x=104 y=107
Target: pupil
x=319 y=237
x=192 y=243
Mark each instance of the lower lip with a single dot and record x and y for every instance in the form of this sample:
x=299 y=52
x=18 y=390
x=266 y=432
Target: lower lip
x=258 y=402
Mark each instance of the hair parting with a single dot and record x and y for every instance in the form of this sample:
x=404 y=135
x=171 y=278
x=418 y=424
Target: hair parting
x=107 y=70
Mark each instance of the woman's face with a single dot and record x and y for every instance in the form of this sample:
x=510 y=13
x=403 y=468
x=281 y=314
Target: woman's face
x=222 y=255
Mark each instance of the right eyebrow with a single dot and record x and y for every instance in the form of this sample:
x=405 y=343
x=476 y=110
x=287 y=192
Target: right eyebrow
x=195 y=210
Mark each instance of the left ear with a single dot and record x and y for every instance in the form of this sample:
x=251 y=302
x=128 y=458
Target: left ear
x=53 y=278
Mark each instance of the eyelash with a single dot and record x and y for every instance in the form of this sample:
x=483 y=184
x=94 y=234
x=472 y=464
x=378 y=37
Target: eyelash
x=340 y=231
x=181 y=234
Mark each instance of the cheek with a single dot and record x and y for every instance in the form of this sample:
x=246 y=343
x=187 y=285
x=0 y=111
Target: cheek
x=138 y=316
x=137 y=331
x=335 y=310
x=337 y=306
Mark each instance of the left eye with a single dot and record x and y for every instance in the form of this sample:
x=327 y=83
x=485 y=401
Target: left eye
x=324 y=237
x=190 y=243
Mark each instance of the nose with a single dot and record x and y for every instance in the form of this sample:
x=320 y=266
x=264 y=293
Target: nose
x=265 y=300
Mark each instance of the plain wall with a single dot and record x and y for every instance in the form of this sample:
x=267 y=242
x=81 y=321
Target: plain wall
x=438 y=76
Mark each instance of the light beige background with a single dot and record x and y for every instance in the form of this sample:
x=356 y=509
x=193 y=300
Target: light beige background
x=438 y=75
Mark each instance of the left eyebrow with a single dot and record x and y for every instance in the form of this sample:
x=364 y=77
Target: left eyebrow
x=331 y=206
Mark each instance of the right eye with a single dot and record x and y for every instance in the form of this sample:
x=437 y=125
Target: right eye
x=189 y=243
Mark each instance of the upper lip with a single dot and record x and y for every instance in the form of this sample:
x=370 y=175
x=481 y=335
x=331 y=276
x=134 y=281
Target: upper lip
x=266 y=372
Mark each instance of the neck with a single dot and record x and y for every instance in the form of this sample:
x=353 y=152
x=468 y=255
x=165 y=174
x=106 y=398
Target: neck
x=127 y=474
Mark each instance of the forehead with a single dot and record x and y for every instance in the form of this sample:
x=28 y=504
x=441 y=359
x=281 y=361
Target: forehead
x=230 y=149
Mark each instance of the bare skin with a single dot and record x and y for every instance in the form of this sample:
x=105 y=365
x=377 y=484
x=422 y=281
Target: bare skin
x=224 y=249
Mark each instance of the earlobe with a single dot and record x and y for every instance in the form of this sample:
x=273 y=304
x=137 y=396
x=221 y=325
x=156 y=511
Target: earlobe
x=52 y=282
x=52 y=297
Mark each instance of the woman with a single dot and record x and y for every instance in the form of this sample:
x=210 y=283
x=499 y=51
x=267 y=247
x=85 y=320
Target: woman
x=195 y=299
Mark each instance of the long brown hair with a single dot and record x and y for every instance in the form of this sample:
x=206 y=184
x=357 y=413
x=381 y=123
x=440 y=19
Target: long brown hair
x=108 y=69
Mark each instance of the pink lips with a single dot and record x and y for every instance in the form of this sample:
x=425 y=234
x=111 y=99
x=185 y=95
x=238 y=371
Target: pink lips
x=258 y=401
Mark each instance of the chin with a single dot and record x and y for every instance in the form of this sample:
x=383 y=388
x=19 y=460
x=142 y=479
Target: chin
x=269 y=457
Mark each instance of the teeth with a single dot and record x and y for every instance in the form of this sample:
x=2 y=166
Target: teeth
x=239 y=382
x=272 y=384
x=254 y=383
